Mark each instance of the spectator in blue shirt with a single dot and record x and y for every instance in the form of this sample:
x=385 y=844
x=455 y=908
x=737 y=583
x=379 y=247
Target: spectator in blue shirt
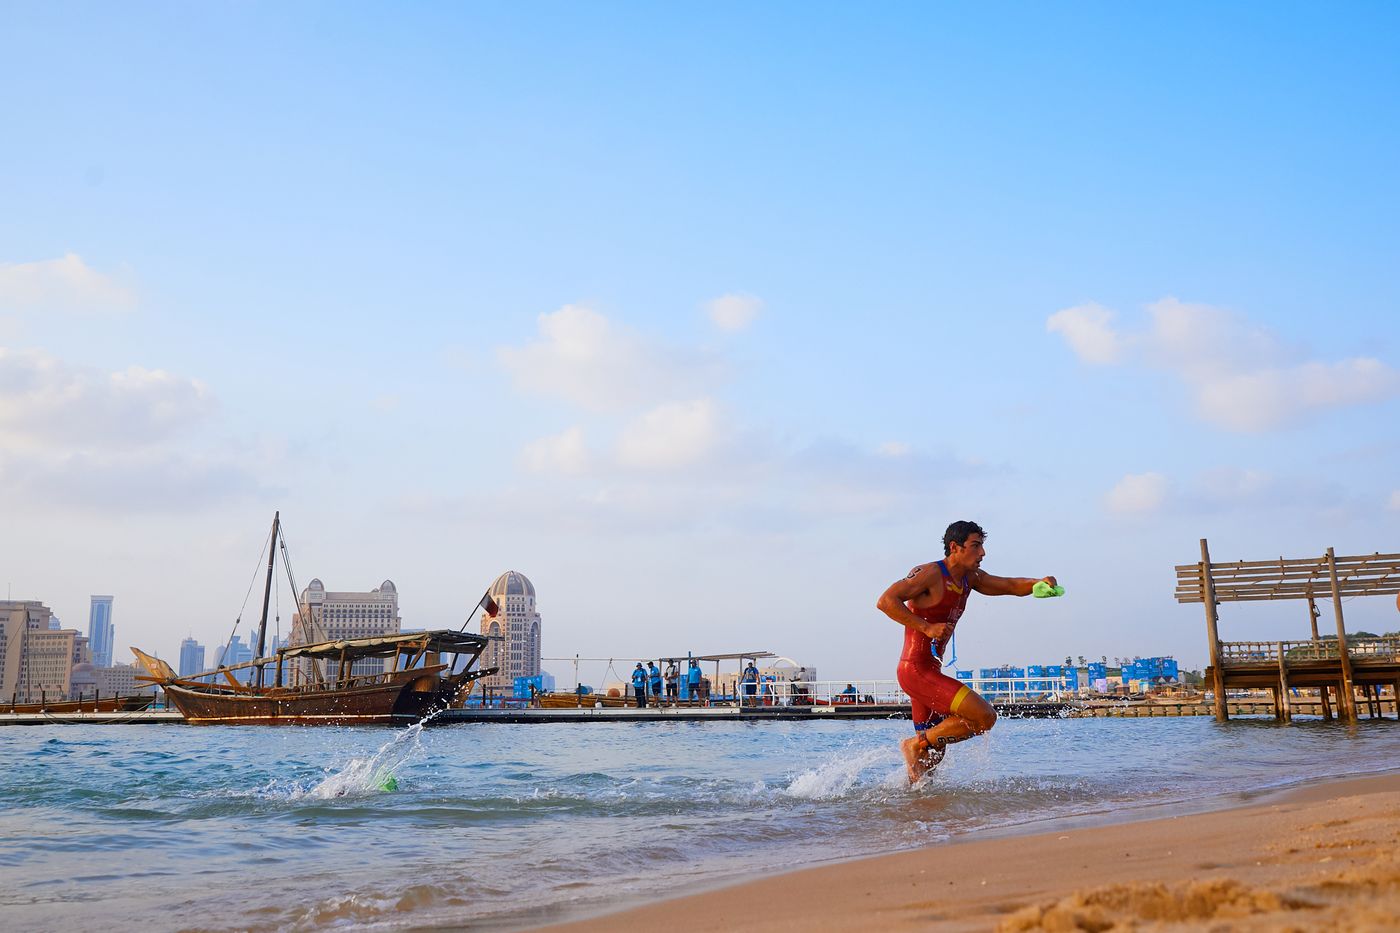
x=692 y=679
x=654 y=676
x=750 y=681
x=639 y=686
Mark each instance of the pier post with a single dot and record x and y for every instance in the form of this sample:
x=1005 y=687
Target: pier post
x=1287 y=708
x=1222 y=709
x=1347 y=701
x=1326 y=703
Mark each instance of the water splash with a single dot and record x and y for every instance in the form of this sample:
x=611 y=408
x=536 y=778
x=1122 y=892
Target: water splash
x=840 y=774
x=375 y=774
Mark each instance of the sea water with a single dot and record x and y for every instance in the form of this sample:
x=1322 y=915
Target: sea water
x=224 y=828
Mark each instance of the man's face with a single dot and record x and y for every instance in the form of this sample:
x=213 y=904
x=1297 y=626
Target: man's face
x=970 y=553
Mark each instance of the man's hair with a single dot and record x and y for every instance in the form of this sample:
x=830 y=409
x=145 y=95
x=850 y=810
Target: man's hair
x=958 y=533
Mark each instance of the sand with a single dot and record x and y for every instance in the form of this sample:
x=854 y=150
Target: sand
x=1325 y=857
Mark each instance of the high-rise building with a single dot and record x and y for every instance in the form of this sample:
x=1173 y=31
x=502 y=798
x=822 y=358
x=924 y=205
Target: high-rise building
x=100 y=631
x=332 y=616
x=235 y=652
x=36 y=662
x=191 y=658
x=514 y=632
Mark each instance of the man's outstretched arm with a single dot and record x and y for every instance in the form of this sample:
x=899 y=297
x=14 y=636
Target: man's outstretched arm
x=988 y=585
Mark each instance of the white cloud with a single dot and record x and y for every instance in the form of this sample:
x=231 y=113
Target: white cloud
x=1088 y=329
x=893 y=449
x=45 y=401
x=586 y=359
x=734 y=312
x=1243 y=377
x=145 y=480
x=1198 y=340
x=1138 y=493
x=670 y=436
x=1272 y=398
x=61 y=284
x=558 y=453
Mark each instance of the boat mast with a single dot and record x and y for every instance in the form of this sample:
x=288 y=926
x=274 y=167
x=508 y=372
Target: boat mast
x=267 y=593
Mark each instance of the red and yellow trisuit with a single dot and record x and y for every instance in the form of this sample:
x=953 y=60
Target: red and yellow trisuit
x=934 y=694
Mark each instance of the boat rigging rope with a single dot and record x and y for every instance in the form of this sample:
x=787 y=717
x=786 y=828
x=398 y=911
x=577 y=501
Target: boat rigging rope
x=613 y=671
x=257 y=568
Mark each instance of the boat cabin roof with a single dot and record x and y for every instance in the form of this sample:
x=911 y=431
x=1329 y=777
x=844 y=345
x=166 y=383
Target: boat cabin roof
x=443 y=641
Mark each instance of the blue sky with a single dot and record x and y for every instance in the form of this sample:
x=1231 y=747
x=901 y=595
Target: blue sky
x=708 y=319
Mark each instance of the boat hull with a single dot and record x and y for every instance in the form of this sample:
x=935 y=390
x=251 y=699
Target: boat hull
x=118 y=704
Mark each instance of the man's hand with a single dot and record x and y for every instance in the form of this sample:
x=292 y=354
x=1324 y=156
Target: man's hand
x=935 y=630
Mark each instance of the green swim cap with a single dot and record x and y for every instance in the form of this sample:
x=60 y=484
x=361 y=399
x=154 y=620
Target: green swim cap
x=1041 y=590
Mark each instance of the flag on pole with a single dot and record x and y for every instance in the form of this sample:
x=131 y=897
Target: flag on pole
x=486 y=602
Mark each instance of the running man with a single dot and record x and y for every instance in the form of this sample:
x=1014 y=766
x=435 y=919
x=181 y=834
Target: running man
x=928 y=603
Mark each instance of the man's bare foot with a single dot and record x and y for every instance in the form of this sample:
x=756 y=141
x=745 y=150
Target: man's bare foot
x=914 y=750
x=920 y=757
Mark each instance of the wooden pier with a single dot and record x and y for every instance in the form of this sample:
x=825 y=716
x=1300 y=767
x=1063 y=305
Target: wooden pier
x=1361 y=676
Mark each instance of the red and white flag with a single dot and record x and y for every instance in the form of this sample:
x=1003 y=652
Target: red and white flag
x=490 y=605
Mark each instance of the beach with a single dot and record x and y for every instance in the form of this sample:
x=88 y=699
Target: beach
x=1320 y=857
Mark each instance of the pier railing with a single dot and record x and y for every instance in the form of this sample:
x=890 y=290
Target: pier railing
x=1242 y=653
x=885 y=692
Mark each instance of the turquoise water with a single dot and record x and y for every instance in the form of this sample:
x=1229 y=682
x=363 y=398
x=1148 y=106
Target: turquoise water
x=220 y=828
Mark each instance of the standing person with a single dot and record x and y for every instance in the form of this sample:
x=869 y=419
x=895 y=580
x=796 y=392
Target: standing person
x=928 y=603
x=673 y=677
x=639 y=686
x=654 y=677
x=750 y=681
x=692 y=679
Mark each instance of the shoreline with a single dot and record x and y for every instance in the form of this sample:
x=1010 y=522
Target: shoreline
x=1319 y=854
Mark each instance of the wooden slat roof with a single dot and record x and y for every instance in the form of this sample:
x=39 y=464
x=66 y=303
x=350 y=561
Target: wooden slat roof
x=1244 y=581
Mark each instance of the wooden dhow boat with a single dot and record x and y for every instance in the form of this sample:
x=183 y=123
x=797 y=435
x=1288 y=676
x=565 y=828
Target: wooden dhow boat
x=418 y=684
x=424 y=673
x=132 y=703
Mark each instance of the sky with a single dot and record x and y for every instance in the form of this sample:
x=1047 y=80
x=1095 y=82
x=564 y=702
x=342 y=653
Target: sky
x=707 y=318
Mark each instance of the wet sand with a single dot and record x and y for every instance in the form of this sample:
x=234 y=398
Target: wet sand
x=1323 y=857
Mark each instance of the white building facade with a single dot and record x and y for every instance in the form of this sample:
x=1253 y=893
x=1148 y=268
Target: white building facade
x=337 y=615
x=514 y=632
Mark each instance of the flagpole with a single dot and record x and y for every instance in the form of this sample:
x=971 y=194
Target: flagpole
x=474 y=609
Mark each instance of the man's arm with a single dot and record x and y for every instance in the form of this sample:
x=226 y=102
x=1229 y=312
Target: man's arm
x=926 y=579
x=988 y=585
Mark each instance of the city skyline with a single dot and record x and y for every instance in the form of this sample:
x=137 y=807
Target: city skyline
x=707 y=320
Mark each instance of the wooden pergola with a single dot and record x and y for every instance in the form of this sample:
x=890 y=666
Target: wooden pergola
x=1309 y=578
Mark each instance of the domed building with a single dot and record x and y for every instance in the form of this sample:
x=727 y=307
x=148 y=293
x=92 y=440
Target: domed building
x=515 y=648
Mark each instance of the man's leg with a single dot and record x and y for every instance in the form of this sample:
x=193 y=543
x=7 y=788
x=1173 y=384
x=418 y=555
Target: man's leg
x=969 y=715
x=956 y=713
